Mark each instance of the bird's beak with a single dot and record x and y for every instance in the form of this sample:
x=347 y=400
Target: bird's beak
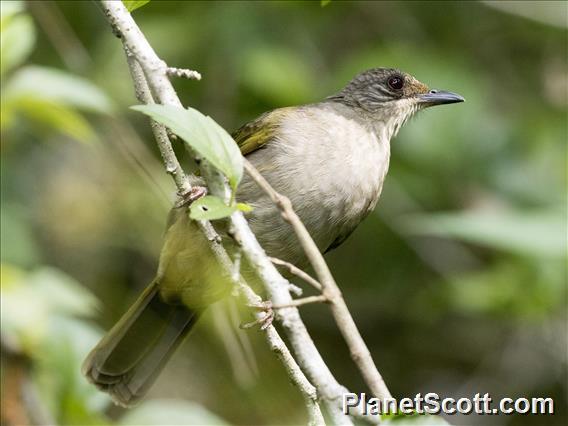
x=439 y=97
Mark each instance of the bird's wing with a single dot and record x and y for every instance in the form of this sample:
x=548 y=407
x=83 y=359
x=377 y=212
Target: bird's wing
x=338 y=241
x=259 y=132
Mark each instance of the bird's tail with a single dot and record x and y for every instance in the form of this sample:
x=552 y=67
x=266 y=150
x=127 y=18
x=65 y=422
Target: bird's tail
x=129 y=358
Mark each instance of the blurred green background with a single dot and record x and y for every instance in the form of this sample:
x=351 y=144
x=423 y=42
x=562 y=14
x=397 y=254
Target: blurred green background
x=457 y=280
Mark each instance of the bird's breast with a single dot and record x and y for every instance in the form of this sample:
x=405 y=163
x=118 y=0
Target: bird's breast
x=332 y=168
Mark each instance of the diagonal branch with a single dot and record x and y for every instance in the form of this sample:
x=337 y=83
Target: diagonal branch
x=294 y=270
x=359 y=351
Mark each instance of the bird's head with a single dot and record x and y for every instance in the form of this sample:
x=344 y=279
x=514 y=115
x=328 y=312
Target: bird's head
x=389 y=97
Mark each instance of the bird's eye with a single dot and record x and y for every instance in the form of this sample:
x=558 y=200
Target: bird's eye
x=396 y=82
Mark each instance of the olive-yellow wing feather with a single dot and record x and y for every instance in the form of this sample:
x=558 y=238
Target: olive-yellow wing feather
x=257 y=133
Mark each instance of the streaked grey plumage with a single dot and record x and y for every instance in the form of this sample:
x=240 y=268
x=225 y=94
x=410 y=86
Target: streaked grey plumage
x=329 y=158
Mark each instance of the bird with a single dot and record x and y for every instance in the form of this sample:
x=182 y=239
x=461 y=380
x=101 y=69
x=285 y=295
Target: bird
x=329 y=158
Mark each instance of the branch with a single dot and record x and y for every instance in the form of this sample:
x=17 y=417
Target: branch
x=308 y=357
x=320 y=298
x=295 y=374
x=359 y=351
x=169 y=158
x=294 y=270
x=183 y=73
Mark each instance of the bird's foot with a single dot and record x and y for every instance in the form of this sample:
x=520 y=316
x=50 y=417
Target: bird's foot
x=187 y=198
x=265 y=321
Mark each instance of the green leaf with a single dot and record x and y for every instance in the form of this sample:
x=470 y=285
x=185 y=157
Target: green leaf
x=29 y=301
x=56 y=86
x=17 y=39
x=57 y=117
x=38 y=317
x=62 y=293
x=50 y=97
x=23 y=315
x=203 y=135
x=537 y=233
x=9 y=9
x=210 y=208
x=57 y=371
x=244 y=207
x=132 y=5
x=325 y=2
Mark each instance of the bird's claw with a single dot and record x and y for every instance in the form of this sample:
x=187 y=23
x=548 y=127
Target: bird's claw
x=187 y=198
x=265 y=321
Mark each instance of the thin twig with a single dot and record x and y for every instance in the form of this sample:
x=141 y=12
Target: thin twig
x=183 y=73
x=358 y=350
x=236 y=272
x=295 y=290
x=303 y=301
x=294 y=270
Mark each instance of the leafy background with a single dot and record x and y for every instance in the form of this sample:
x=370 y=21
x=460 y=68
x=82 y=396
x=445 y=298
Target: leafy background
x=457 y=280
